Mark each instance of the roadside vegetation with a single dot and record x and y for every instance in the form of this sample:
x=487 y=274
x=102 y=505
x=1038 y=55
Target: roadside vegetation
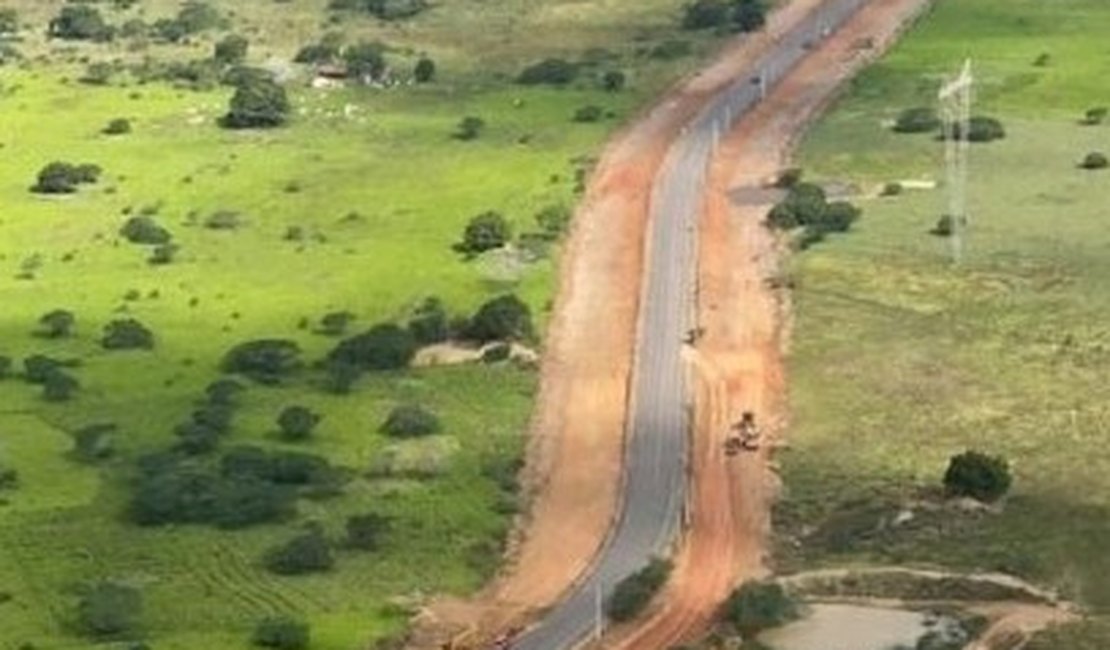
x=229 y=229
x=902 y=362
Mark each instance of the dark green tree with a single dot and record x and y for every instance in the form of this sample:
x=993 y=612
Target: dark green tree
x=59 y=387
x=107 y=609
x=633 y=594
x=297 y=422
x=57 y=324
x=469 y=128
x=281 y=633
x=94 y=442
x=143 y=229
x=385 y=346
x=127 y=334
x=365 y=532
x=503 y=318
x=267 y=361
x=424 y=71
x=410 y=421
x=429 y=323
x=257 y=103
x=309 y=552
x=231 y=49
x=365 y=61
x=80 y=22
x=757 y=606
x=553 y=71
x=978 y=475
x=484 y=232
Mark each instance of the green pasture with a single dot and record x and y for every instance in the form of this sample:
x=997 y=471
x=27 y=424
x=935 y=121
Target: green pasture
x=900 y=359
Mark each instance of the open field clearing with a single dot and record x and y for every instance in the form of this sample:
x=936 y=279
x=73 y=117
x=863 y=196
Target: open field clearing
x=353 y=206
x=900 y=361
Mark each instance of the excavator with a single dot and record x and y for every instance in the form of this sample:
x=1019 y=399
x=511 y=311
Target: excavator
x=743 y=435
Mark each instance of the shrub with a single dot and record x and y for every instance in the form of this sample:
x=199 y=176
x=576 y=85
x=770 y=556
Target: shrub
x=1095 y=116
x=977 y=475
x=257 y=103
x=944 y=226
x=383 y=9
x=469 y=128
x=144 y=230
x=502 y=318
x=297 y=422
x=281 y=633
x=789 y=177
x=484 y=232
x=37 y=367
x=549 y=71
x=108 y=609
x=231 y=49
x=804 y=204
x=613 y=80
x=80 y=22
x=917 y=120
x=429 y=322
x=1095 y=160
x=163 y=254
x=365 y=532
x=9 y=21
x=410 y=421
x=365 y=61
x=757 y=606
x=424 y=71
x=553 y=220
x=633 y=593
x=306 y=553
x=63 y=178
x=267 y=361
x=590 y=113
x=127 y=334
x=5 y=366
x=335 y=323
x=838 y=216
x=705 y=14
x=9 y=478
x=980 y=129
x=56 y=324
x=223 y=220
x=893 y=188
x=118 y=126
x=59 y=387
x=383 y=347
x=94 y=442
x=749 y=15
x=223 y=392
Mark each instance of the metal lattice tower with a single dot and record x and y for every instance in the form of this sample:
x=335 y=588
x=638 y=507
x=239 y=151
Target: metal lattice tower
x=955 y=99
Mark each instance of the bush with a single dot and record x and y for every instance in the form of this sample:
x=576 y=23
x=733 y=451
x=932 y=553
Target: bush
x=297 y=422
x=267 y=361
x=365 y=532
x=383 y=9
x=94 y=442
x=757 y=606
x=9 y=478
x=127 y=334
x=163 y=254
x=1095 y=116
x=613 y=80
x=37 y=367
x=838 y=216
x=553 y=220
x=144 y=230
x=980 y=129
x=633 y=593
x=335 y=323
x=257 y=103
x=424 y=71
x=282 y=633
x=9 y=21
x=590 y=113
x=469 y=128
x=118 y=126
x=738 y=15
x=59 y=387
x=5 y=366
x=944 y=226
x=977 y=475
x=549 y=71
x=429 y=323
x=231 y=49
x=80 y=22
x=503 y=318
x=365 y=61
x=109 y=609
x=63 y=178
x=223 y=220
x=306 y=553
x=223 y=392
x=917 y=120
x=1095 y=160
x=485 y=232
x=383 y=347
x=56 y=324
x=893 y=188
x=410 y=421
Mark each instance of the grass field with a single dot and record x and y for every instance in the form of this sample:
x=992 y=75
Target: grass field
x=388 y=156
x=900 y=360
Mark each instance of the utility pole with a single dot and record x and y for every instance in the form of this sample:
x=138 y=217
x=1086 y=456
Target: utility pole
x=955 y=99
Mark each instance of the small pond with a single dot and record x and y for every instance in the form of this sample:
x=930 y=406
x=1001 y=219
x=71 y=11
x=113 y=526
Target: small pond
x=853 y=627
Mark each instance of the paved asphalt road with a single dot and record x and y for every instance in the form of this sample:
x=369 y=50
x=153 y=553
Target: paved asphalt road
x=655 y=464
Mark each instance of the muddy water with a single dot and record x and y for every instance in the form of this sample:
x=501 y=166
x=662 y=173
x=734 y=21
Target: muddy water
x=850 y=627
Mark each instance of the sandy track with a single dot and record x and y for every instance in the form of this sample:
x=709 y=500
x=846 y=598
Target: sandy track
x=738 y=362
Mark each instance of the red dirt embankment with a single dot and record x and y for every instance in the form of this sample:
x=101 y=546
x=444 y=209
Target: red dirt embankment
x=738 y=361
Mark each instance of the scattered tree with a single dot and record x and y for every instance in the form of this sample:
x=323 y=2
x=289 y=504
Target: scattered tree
x=385 y=346
x=163 y=254
x=503 y=318
x=80 y=22
x=231 y=49
x=1095 y=160
x=223 y=392
x=977 y=475
x=365 y=532
x=429 y=322
x=469 y=128
x=267 y=361
x=558 y=72
x=63 y=178
x=553 y=220
x=309 y=552
x=94 y=442
x=589 y=113
x=335 y=323
x=118 y=126
x=917 y=120
x=365 y=61
x=107 y=609
x=484 y=232
x=1096 y=115
x=980 y=129
x=257 y=103
x=281 y=633
x=127 y=334
x=297 y=422
x=144 y=230
x=613 y=80
x=410 y=421
x=757 y=606
x=944 y=226
x=57 y=324
x=424 y=71
x=9 y=21
x=633 y=593
x=59 y=387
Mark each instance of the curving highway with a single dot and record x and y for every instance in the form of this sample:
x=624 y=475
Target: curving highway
x=653 y=491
